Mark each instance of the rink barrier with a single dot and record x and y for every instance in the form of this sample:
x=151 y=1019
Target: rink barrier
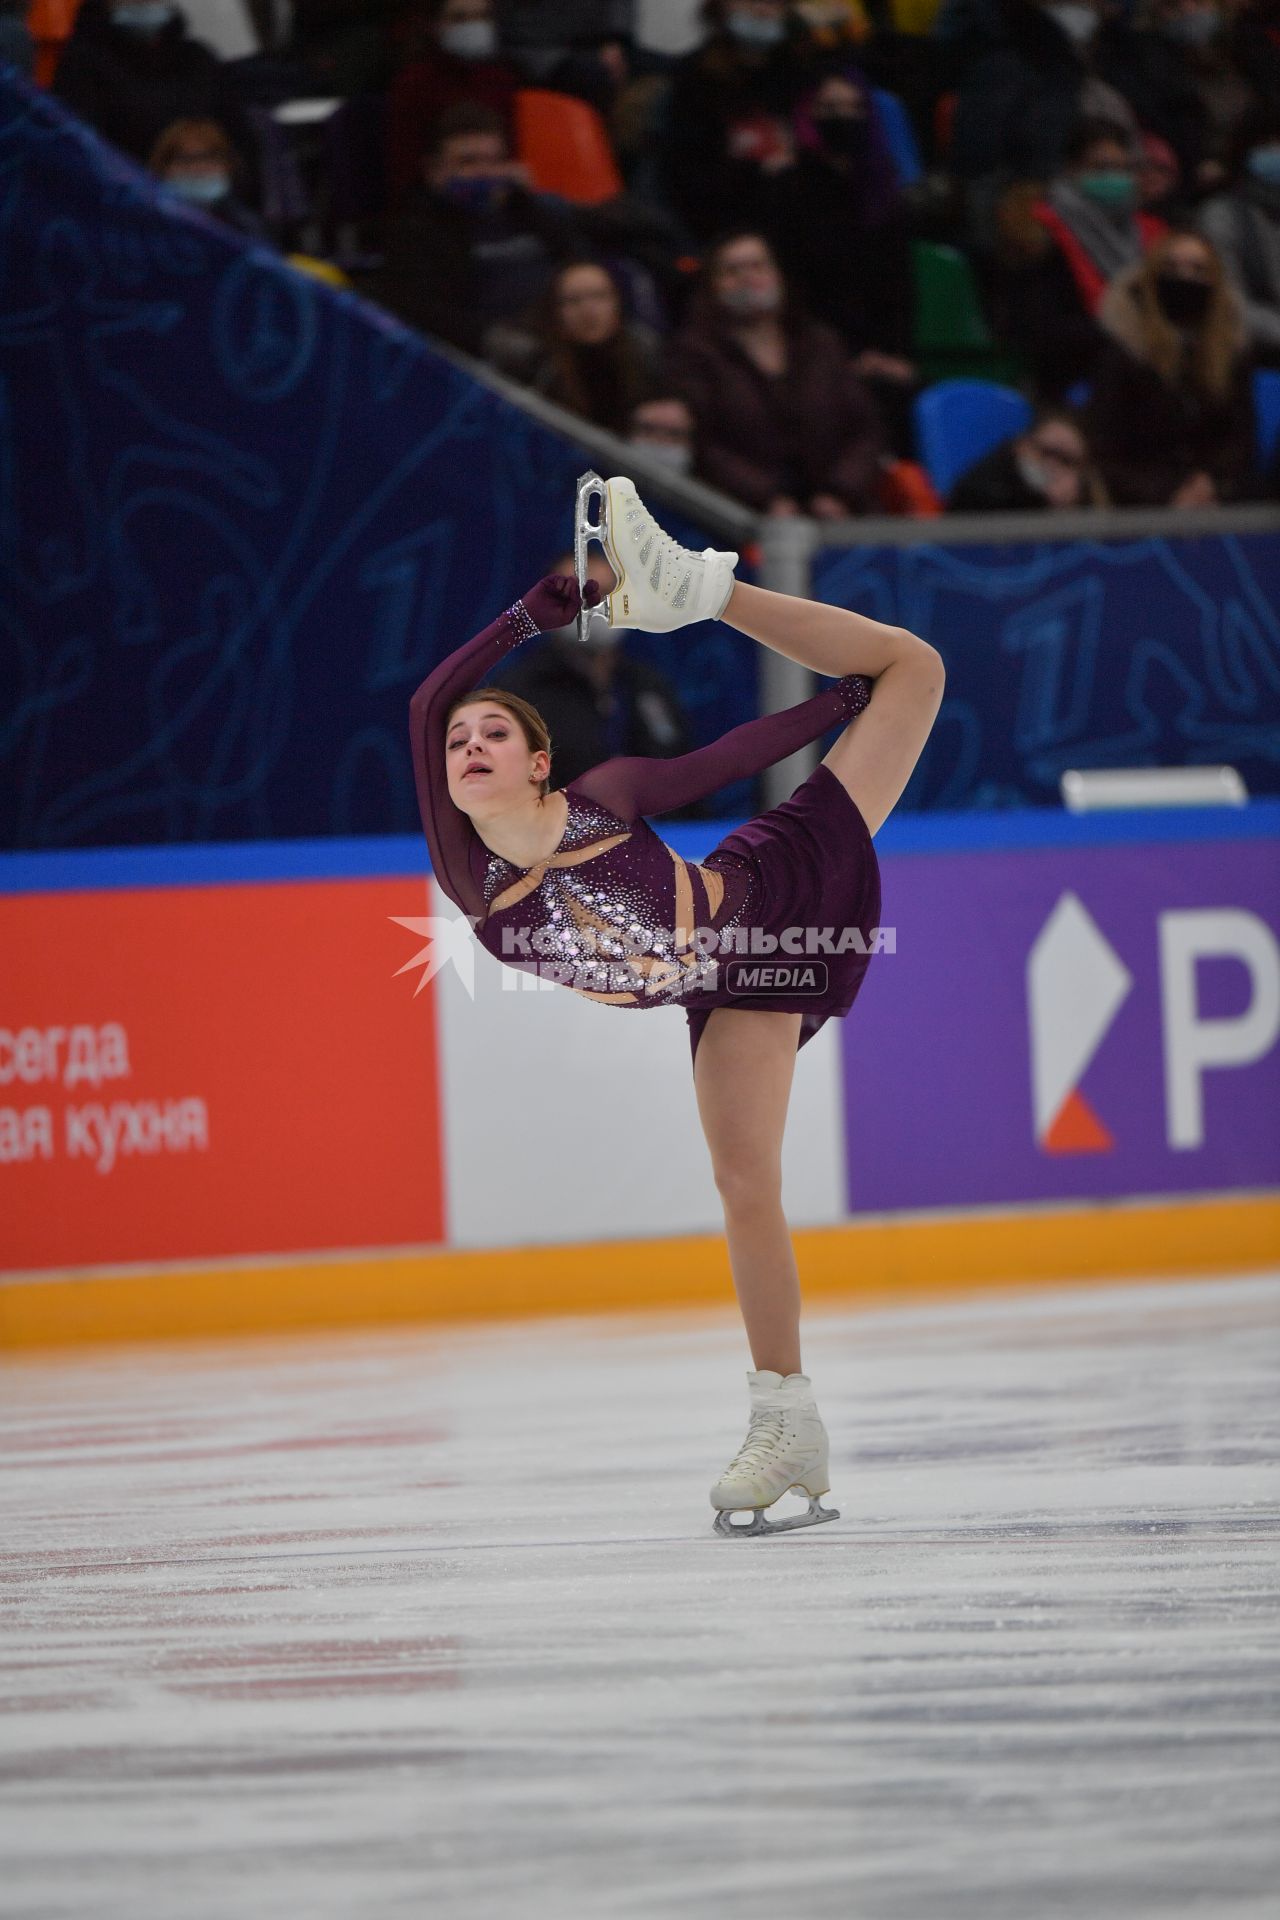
x=869 y=1262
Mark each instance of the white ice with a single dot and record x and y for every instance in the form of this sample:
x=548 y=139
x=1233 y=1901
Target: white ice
x=434 y=1623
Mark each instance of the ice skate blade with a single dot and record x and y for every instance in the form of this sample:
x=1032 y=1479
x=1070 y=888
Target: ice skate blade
x=590 y=487
x=758 y=1524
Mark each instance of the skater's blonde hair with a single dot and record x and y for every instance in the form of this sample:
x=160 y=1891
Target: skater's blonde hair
x=532 y=724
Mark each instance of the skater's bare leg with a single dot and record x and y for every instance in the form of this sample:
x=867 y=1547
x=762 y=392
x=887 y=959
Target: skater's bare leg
x=875 y=754
x=742 y=1077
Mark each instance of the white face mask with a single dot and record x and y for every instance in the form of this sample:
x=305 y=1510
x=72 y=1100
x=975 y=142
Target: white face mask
x=144 y=16
x=755 y=30
x=469 y=39
x=1079 y=23
x=205 y=189
x=668 y=453
x=747 y=302
x=1032 y=474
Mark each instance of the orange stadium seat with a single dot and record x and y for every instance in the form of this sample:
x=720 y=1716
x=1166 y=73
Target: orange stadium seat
x=565 y=145
x=49 y=23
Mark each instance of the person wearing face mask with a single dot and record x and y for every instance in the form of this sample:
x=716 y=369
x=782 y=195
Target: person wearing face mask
x=461 y=61
x=1244 y=226
x=131 y=69
x=1024 y=92
x=729 y=117
x=784 y=422
x=196 y=161
x=663 y=428
x=837 y=221
x=595 y=361
x=1047 y=468
x=473 y=250
x=1062 y=255
x=1170 y=415
x=597 y=698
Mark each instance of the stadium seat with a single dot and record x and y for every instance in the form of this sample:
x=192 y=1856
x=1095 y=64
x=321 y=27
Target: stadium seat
x=950 y=336
x=1266 y=405
x=49 y=22
x=904 y=149
x=959 y=420
x=565 y=145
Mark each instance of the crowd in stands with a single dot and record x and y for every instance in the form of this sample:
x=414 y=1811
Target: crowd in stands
x=820 y=208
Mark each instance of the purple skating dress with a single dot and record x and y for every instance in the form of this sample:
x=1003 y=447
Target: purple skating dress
x=616 y=915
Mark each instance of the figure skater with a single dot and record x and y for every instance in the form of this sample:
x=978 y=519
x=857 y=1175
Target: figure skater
x=574 y=883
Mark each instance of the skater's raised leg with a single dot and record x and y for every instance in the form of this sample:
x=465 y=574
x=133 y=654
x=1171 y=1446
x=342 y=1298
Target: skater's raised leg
x=875 y=754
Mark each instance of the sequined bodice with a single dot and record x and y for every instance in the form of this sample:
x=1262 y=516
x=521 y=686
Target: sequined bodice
x=619 y=921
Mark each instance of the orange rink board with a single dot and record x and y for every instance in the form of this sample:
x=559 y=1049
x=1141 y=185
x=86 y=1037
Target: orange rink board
x=204 y=1071
x=870 y=1262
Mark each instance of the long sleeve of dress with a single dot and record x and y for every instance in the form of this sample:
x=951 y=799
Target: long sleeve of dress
x=632 y=784
x=450 y=834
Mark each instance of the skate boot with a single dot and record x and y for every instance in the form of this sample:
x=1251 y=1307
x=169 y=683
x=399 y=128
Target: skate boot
x=786 y=1446
x=660 y=585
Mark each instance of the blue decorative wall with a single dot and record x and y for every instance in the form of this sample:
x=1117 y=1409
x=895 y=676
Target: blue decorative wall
x=241 y=516
x=1157 y=652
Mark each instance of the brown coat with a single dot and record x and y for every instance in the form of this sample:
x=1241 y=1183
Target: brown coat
x=813 y=429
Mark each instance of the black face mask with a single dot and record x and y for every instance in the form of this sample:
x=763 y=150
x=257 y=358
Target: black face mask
x=845 y=137
x=1183 y=302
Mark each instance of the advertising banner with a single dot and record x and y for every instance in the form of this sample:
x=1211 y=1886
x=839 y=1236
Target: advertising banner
x=190 y=1072
x=1064 y=1023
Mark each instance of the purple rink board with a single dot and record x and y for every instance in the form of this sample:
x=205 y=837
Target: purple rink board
x=1045 y=1028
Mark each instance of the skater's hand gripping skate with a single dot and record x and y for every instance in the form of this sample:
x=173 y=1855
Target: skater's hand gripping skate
x=556 y=600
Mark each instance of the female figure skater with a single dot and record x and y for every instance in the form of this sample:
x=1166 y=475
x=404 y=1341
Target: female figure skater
x=575 y=883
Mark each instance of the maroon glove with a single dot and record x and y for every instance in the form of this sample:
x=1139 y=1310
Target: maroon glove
x=555 y=601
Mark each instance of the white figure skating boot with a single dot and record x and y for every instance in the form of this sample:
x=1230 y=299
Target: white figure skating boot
x=786 y=1446
x=660 y=585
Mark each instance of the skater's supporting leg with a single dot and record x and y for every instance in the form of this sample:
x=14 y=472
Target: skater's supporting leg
x=742 y=1077
x=875 y=754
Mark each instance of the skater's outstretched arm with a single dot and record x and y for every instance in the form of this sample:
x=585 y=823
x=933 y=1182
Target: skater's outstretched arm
x=634 y=784
x=450 y=835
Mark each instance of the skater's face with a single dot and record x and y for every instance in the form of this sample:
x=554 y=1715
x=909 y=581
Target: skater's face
x=587 y=306
x=489 y=762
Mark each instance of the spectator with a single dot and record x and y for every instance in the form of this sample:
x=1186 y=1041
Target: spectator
x=1170 y=416
x=1194 y=97
x=1067 y=249
x=460 y=62
x=841 y=234
x=131 y=69
x=663 y=426
x=1047 y=467
x=784 y=423
x=730 y=113
x=1024 y=90
x=572 y=46
x=597 y=699
x=474 y=249
x=1244 y=226
x=597 y=363
x=197 y=161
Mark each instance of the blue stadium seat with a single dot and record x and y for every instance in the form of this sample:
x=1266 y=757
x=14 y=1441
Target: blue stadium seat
x=904 y=148
x=959 y=420
x=1266 y=406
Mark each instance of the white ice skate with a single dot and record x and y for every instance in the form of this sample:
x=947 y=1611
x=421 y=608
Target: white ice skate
x=660 y=585
x=786 y=1446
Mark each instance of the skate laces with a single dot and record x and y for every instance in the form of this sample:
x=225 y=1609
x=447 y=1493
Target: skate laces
x=765 y=1429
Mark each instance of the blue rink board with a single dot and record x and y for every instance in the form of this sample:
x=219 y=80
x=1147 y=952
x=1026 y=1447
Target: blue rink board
x=241 y=862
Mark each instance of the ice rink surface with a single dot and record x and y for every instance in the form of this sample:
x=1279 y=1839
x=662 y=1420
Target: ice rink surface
x=434 y=1623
